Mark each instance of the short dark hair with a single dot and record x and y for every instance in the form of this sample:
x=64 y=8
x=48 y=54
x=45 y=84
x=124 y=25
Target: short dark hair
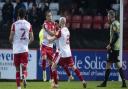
x=22 y=13
x=112 y=13
x=47 y=11
x=57 y=21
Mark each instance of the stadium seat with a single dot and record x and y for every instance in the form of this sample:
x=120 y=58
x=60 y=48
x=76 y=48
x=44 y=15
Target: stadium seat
x=97 y=22
x=76 y=22
x=30 y=5
x=54 y=7
x=56 y=17
x=125 y=2
x=86 y=22
x=1 y=5
x=105 y=23
x=14 y=4
x=26 y=5
x=75 y=25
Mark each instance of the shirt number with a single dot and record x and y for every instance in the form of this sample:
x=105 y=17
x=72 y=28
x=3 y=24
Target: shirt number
x=23 y=34
x=67 y=41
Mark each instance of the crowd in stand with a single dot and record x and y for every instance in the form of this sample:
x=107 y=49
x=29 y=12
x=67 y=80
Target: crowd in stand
x=84 y=11
x=36 y=9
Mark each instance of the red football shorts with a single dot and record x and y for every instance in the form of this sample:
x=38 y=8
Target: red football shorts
x=48 y=51
x=67 y=61
x=21 y=58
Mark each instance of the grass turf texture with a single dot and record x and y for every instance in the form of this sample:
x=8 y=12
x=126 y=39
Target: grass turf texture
x=63 y=85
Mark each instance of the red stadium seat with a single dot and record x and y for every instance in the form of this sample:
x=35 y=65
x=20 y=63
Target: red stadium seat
x=125 y=2
x=86 y=22
x=68 y=18
x=105 y=23
x=97 y=22
x=75 y=25
x=76 y=21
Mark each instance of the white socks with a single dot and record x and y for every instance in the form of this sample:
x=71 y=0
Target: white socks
x=19 y=87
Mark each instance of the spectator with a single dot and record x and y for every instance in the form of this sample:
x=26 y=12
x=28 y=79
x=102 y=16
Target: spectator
x=44 y=7
x=34 y=16
x=18 y=6
x=7 y=12
x=65 y=4
x=75 y=9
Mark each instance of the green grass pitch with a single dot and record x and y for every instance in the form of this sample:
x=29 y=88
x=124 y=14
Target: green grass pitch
x=63 y=85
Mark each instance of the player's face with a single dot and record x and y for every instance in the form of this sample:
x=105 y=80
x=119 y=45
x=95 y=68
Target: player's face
x=62 y=22
x=49 y=16
x=109 y=17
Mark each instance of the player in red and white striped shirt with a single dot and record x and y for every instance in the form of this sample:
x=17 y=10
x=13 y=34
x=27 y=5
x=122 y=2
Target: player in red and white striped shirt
x=64 y=56
x=46 y=47
x=21 y=36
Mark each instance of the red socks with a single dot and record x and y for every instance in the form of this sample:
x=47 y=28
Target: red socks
x=44 y=64
x=24 y=71
x=55 y=77
x=18 y=79
x=78 y=74
x=67 y=71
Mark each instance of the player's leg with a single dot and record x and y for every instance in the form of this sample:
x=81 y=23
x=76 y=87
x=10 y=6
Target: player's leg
x=121 y=74
x=51 y=73
x=24 y=75
x=24 y=62
x=55 y=61
x=18 y=77
x=107 y=73
x=44 y=57
x=110 y=60
x=17 y=66
x=52 y=56
x=69 y=61
x=66 y=69
x=24 y=70
x=54 y=84
x=77 y=71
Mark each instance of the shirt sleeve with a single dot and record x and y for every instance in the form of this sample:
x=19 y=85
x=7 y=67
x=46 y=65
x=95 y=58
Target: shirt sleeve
x=58 y=35
x=41 y=36
x=56 y=27
x=30 y=30
x=116 y=26
x=45 y=25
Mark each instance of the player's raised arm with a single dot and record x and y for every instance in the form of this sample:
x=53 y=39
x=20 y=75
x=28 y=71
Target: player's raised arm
x=56 y=36
x=12 y=32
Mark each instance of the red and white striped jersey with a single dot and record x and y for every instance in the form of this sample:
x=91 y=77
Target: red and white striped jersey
x=21 y=36
x=63 y=42
x=49 y=25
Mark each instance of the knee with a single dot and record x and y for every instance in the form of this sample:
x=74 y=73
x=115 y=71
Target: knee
x=44 y=57
x=108 y=66
x=53 y=66
x=73 y=67
x=118 y=66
